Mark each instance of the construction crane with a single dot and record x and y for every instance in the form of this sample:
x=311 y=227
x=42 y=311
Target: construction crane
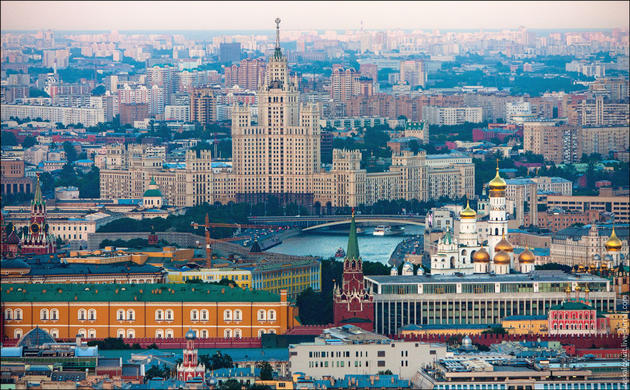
x=207 y=225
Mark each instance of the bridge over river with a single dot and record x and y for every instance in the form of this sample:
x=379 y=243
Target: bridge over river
x=312 y=222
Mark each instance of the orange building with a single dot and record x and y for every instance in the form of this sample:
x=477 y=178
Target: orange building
x=144 y=310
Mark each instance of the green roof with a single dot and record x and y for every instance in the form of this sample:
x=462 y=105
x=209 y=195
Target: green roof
x=197 y=292
x=37 y=198
x=156 y=193
x=572 y=306
x=353 y=243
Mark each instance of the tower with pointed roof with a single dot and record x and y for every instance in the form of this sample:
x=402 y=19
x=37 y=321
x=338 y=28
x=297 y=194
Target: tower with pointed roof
x=279 y=155
x=353 y=303
x=37 y=238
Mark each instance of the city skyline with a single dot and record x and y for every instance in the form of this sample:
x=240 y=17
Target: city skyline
x=21 y=16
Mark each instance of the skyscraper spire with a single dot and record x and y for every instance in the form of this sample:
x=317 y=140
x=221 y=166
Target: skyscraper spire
x=277 y=53
x=353 y=243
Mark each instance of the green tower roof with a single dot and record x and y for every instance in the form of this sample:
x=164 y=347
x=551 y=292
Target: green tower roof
x=353 y=243
x=38 y=199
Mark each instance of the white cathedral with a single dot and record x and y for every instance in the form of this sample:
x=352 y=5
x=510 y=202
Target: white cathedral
x=466 y=254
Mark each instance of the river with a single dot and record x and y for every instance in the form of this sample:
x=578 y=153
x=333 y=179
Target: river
x=325 y=244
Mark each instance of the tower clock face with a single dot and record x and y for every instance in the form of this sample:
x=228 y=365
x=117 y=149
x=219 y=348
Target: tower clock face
x=34 y=228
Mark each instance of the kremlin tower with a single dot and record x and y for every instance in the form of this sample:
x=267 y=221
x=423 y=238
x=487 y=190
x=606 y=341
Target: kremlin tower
x=38 y=240
x=353 y=303
x=190 y=368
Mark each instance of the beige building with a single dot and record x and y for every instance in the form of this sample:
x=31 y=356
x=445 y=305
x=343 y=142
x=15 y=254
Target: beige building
x=557 y=143
x=619 y=205
x=280 y=156
x=603 y=140
x=583 y=246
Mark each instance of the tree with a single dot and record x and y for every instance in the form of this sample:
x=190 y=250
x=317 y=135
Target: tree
x=266 y=372
x=231 y=384
x=71 y=152
x=495 y=330
x=386 y=372
x=29 y=141
x=8 y=139
x=99 y=91
x=35 y=92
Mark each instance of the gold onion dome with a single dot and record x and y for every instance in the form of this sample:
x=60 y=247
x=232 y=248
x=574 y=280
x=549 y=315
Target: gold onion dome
x=468 y=213
x=502 y=258
x=613 y=244
x=481 y=256
x=498 y=184
x=526 y=257
x=503 y=245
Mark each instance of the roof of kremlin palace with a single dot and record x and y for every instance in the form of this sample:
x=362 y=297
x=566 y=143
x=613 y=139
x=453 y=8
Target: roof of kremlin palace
x=535 y=276
x=197 y=292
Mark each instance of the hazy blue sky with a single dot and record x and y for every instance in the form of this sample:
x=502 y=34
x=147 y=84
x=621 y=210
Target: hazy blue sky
x=158 y=15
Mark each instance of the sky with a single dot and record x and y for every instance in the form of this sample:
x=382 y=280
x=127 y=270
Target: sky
x=167 y=15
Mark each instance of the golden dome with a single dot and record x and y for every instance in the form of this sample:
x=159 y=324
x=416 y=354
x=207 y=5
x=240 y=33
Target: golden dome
x=526 y=257
x=498 y=184
x=613 y=244
x=481 y=256
x=503 y=245
x=468 y=213
x=502 y=258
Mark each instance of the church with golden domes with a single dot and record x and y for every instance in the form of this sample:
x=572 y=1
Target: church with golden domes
x=468 y=254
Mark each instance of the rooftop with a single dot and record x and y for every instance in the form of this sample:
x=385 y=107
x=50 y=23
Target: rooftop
x=535 y=276
x=132 y=292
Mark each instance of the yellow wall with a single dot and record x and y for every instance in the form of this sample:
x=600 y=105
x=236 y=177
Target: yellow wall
x=243 y=278
x=525 y=326
x=618 y=323
x=445 y=331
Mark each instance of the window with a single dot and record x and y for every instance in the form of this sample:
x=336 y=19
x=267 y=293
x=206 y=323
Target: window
x=204 y=334
x=238 y=315
x=169 y=314
x=120 y=314
x=204 y=315
x=54 y=333
x=43 y=314
x=92 y=314
x=194 y=315
x=17 y=333
x=381 y=363
x=261 y=332
x=237 y=333
x=8 y=314
x=159 y=333
x=120 y=333
x=227 y=333
x=131 y=314
x=159 y=315
x=271 y=315
x=54 y=314
x=81 y=333
x=17 y=314
x=227 y=315
x=169 y=333
x=91 y=333
x=131 y=333
x=262 y=315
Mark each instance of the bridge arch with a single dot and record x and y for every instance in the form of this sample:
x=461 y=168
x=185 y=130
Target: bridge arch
x=365 y=220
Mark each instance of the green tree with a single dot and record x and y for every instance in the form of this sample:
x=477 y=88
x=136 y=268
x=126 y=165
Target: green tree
x=8 y=139
x=495 y=330
x=35 y=92
x=266 y=372
x=231 y=384
x=29 y=141
x=71 y=152
x=99 y=91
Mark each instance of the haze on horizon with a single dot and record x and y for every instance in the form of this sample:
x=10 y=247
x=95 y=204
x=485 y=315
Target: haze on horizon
x=140 y=15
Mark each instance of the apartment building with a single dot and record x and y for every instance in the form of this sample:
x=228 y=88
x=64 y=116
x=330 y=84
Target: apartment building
x=54 y=114
x=603 y=140
x=448 y=116
x=618 y=205
x=556 y=142
x=344 y=83
x=598 y=111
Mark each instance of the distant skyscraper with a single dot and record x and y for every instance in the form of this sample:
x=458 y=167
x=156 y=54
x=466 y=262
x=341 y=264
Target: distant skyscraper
x=413 y=72
x=203 y=106
x=344 y=83
x=229 y=52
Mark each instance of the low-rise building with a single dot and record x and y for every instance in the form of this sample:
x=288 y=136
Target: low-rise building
x=351 y=350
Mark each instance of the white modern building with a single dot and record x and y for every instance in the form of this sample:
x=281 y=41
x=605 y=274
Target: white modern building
x=54 y=114
x=449 y=116
x=350 y=350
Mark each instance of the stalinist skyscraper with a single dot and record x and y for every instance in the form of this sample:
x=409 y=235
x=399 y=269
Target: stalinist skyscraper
x=280 y=154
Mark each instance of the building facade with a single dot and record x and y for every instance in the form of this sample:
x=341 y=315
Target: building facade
x=144 y=310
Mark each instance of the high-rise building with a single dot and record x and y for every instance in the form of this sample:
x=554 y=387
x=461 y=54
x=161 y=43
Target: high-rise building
x=598 y=112
x=249 y=74
x=203 y=106
x=344 y=83
x=369 y=71
x=448 y=116
x=413 y=72
x=131 y=112
x=229 y=52
x=555 y=141
x=280 y=154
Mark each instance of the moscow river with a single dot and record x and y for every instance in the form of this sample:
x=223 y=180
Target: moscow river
x=325 y=244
